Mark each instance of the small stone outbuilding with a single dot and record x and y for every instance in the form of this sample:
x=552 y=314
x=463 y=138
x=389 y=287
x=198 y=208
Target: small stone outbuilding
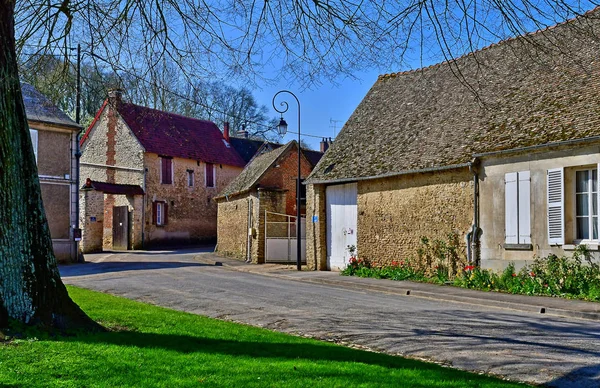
x=266 y=187
x=499 y=147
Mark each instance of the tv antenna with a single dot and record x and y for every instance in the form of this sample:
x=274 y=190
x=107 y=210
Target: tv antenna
x=333 y=124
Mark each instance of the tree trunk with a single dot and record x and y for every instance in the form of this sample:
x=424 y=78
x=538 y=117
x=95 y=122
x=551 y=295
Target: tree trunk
x=31 y=290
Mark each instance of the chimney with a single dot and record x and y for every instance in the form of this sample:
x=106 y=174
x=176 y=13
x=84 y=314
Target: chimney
x=115 y=97
x=243 y=133
x=226 y=131
x=325 y=144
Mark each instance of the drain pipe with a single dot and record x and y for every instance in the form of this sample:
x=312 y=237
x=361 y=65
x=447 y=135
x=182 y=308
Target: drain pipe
x=473 y=237
x=249 y=234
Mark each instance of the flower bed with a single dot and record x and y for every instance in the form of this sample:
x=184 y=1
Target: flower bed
x=576 y=277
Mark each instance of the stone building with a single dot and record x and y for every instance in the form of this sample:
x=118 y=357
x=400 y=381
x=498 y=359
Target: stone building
x=265 y=191
x=150 y=177
x=54 y=137
x=501 y=147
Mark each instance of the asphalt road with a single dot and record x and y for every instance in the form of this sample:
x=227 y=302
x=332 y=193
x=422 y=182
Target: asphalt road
x=520 y=346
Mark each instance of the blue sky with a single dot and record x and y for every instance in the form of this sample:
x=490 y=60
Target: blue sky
x=319 y=105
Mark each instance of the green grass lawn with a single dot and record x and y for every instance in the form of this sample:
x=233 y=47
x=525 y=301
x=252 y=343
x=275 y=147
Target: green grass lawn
x=150 y=346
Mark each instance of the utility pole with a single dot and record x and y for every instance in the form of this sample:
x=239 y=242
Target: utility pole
x=76 y=226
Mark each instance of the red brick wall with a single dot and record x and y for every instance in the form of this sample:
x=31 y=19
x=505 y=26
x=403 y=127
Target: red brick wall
x=284 y=177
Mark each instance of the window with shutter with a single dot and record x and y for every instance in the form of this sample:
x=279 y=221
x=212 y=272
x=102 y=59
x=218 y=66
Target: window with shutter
x=586 y=205
x=166 y=171
x=517 y=208
x=210 y=175
x=555 y=196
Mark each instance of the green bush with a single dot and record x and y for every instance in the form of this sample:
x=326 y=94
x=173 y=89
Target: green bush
x=575 y=277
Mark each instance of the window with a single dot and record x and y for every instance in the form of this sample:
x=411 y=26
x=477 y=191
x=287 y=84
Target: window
x=586 y=204
x=159 y=213
x=34 y=142
x=302 y=191
x=517 y=212
x=166 y=170
x=190 y=178
x=210 y=175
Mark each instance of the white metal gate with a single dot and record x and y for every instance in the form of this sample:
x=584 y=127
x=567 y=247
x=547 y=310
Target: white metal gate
x=280 y=238
x=341 y=223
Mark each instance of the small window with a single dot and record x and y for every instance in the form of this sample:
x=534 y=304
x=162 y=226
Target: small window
x=34 y=142
x=210 y=175
x=159 y=215
x=166 y=171
x=302 y=191
x=190 y=178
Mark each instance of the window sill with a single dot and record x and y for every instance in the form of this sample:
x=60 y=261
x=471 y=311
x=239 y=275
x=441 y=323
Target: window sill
x=518 y=247
x=572 y=247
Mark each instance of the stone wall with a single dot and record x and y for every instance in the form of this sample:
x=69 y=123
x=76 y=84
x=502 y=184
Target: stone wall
x=91 y=220
x=271 y=201
x=192 y=212
x=232 y=227
x=394 y=213
x=316 y=237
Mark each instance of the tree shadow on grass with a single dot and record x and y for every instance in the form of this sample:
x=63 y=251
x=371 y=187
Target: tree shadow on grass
x=314 y=351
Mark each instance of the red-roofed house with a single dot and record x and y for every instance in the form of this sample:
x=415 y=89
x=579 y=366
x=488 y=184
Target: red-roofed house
x=150 y=177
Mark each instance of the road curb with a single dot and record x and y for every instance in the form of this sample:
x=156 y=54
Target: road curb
x=533 y=308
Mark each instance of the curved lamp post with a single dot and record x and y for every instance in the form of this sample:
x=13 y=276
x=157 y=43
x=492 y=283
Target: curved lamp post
x=282 y=130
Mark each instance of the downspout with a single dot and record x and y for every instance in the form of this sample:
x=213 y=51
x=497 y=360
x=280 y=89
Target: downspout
x=249 y=234
x=144 y=203
x=473 y=237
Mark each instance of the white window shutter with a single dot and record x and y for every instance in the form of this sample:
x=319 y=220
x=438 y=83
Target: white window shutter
x=511 y=232
x=556 y=218
x=34 y=142
x=524 y=189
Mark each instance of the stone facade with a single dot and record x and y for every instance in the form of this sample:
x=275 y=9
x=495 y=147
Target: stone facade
x=192 y=212
x=395 y=213
x=56 y=169
x=232 y=227
x=113 y=154
x=494 y=253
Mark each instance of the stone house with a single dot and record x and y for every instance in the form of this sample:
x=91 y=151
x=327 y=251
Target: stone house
x=267 y=184
x=150 y=177
x=500 y=147
x=54 y=137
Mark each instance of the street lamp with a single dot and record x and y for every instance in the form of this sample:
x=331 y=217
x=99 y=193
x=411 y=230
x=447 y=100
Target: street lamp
x=282 y=129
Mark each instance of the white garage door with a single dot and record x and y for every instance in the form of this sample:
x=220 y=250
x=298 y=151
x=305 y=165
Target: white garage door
x=341 y=223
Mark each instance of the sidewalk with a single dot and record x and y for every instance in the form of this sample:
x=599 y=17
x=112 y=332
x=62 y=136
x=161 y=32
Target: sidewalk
x=530 y=304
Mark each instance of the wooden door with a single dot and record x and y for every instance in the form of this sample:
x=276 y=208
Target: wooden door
x=341 y=223
x=120 y=227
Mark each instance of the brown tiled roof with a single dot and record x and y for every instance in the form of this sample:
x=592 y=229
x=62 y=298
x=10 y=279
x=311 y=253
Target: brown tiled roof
x=255 y=170
x=535 y=90
x=113 y=188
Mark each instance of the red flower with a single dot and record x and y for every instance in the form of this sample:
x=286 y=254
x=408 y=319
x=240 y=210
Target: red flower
x=532 y=274
x=469 y=268
x=514 y=274
x=394 y=263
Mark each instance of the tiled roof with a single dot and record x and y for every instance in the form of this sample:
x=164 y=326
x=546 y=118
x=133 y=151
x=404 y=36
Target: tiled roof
x=247 y=148
x=255 y=170
x=535 y=90
x=312 y=156
x=175 y=135
x=39 y=108
x=113 y=188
